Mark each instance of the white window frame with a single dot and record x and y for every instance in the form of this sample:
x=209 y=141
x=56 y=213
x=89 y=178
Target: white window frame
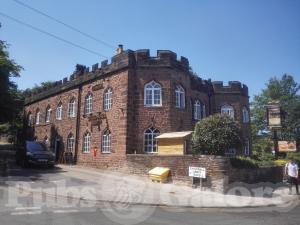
x=150 y=143
x=106 y=142
x=152 y=94
x=71 y=108
x=70 y=143
x=247 y=147
x=59 y=111
x=37 y=117
x=227 y=110
x=180 y=97
x=197 y=110
x=88 y=104
x=108 y=99
x=246 y=118
x=86 y=143
x=48 y=115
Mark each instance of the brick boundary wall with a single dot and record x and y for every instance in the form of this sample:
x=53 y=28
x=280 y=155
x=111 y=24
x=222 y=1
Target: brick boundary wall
x=272 y=174
x=220 y=173
x=216 y=167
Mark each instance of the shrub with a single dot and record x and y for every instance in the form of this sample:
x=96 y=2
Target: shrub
x=216 y=133
x=242 y=162
x=266 y=159
x=295 y=155
x=280 y=162
x=4 y=128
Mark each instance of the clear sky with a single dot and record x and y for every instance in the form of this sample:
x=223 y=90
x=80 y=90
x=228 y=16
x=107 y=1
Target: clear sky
x=249 y=41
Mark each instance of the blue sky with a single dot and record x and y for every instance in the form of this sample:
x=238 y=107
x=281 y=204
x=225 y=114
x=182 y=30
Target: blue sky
x=249 y=41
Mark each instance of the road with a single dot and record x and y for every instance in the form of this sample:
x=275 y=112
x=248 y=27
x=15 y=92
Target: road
x=37 y=209
x=160 y=216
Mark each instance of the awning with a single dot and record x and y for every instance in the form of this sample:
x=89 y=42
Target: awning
x=170 y=135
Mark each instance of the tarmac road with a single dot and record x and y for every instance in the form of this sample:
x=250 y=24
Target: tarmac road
x=82 y=213
x=105 y=216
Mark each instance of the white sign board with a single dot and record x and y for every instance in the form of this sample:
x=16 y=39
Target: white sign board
x=197 y=172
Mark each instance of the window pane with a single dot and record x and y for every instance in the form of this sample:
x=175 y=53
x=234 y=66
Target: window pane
x=108 y=99
x=182 y=100
x=148 y=97
x=156 y=97
x=152 y=94
x=177 y=99
x=150 y=143
x=106 y=142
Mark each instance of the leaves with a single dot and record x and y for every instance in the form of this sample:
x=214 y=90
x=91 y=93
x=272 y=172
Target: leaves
x=286 y=92
x=38 y=88
x=216 y=133
x=9 y=95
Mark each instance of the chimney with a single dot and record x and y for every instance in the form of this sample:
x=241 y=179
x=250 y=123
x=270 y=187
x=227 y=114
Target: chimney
x=119 y=49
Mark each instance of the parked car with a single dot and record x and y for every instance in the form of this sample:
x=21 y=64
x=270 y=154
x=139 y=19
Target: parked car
x=34 y=153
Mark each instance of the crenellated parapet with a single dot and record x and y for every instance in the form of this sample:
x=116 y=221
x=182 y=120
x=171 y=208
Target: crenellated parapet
x=83 y=74
x=233 y=87
x=163 y=58
x=122 y=60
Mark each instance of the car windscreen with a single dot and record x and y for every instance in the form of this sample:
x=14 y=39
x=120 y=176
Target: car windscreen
x=35 y=146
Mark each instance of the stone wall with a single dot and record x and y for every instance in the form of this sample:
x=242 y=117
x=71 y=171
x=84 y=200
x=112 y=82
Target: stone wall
x=220 y=174
x=141 y=164
x=251 y=176
x=216 y=167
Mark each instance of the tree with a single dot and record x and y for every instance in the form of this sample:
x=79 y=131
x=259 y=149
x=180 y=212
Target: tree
x=10 y=97
x=216 y=133
x=37 y=88
x=286 y=92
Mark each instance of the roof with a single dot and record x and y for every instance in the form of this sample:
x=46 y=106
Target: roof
x=174 y=135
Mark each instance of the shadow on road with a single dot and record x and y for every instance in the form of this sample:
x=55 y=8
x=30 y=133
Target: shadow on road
x=9 y=168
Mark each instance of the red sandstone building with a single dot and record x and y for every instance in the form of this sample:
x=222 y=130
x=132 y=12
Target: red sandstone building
x=99 y=116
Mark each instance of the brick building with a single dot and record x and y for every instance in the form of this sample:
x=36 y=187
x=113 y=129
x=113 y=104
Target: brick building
x=119 y=107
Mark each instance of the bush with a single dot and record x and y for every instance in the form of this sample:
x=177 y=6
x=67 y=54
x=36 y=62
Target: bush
x=280 y=162
x=216 y=133
x=4 y=128
x=295 y=155
x=242 y=162
x=265 y=159
x=260 y=160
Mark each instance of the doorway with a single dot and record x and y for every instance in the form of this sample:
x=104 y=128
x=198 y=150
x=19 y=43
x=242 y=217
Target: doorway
x=57 y=149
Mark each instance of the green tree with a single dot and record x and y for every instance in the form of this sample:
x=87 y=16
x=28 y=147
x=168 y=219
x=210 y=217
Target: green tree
x=286 y=92
x=216 y=133
x=10 y=97
x=38 y=87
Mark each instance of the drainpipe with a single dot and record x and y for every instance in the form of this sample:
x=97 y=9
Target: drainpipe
x=77 y=123
x=209 y=103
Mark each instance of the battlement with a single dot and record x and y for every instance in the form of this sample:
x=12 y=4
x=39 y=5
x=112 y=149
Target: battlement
x=122 y=60
x=162 y=58
x=233 y=87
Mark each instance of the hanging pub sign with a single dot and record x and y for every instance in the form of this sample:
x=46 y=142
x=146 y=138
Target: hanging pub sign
x=274 y=115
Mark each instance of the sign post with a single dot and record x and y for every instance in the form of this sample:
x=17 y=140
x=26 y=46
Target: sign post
x=274 y=122
x=198 y=172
